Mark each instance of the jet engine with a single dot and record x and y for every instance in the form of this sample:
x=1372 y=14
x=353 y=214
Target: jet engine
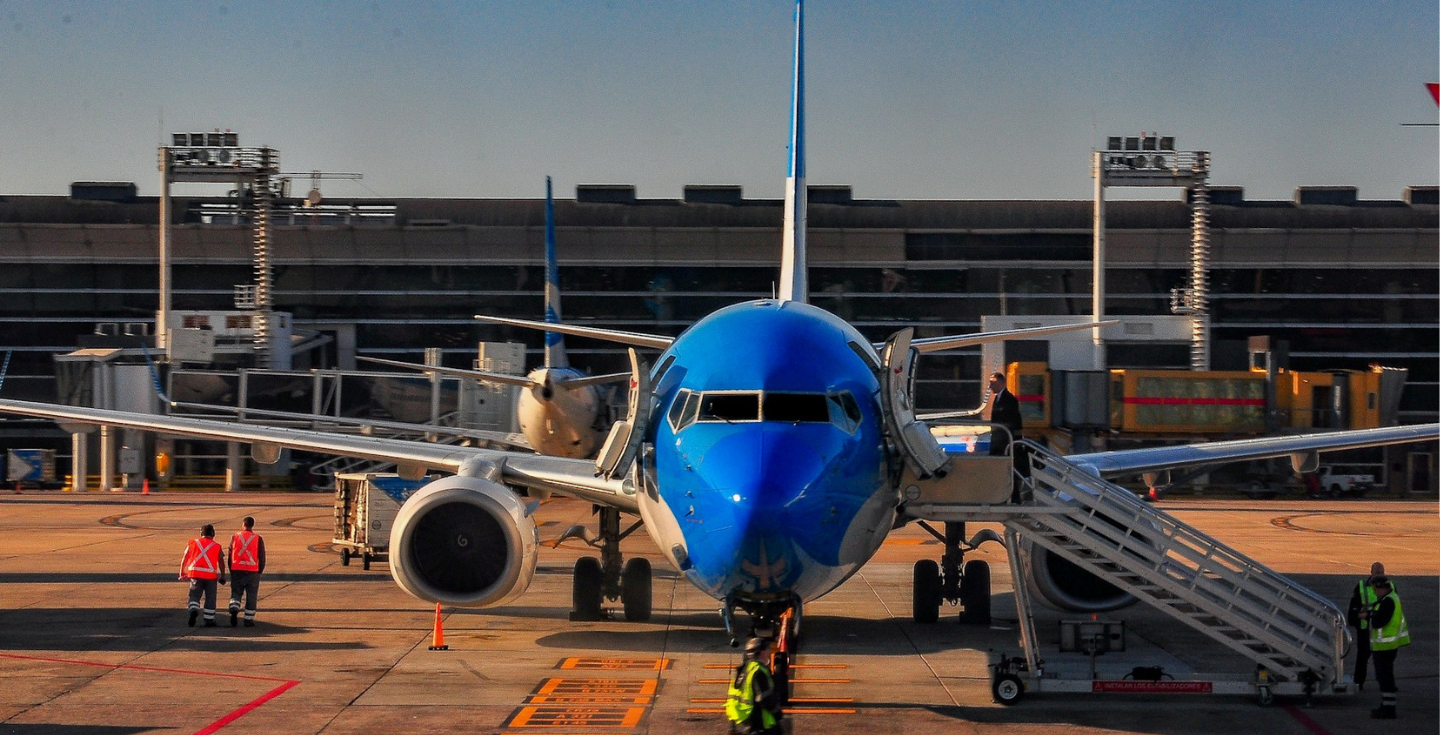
x=463 y=541
x=1065 y=586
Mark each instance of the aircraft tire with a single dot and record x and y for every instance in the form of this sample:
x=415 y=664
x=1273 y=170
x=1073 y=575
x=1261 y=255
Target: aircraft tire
x=588 y=589
x=975 y=593
x=925 y=593
x=635 y=590
x=365 y=561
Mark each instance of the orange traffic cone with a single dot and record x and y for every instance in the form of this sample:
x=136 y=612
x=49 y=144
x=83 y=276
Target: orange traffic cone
x=437 y=641
x=145 y=487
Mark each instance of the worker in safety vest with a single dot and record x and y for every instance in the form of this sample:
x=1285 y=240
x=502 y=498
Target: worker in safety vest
x=1388 y=632
x=1361 y=600
x=247 y=563
x=204 y=565
x=753 y=704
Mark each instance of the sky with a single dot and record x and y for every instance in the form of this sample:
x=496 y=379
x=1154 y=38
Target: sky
x=908 y=99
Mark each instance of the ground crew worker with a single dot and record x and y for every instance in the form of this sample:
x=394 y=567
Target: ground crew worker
x=1361 y=600
x=1388 y=632
x=204 y=565
x=753 y=704
x=247 y=563
x=1004 y=409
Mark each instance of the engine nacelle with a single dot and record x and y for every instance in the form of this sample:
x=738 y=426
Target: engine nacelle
x=464 y=541
x=1065 y=586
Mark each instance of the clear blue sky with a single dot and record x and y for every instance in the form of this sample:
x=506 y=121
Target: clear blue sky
x=922 y=99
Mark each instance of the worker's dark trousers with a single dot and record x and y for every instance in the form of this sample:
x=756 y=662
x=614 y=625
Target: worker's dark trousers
x=1385 y=674
x=247 y=583
x=1362 y=655
x=207 y=588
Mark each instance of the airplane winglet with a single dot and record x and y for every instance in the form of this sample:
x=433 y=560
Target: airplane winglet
x=554 y=341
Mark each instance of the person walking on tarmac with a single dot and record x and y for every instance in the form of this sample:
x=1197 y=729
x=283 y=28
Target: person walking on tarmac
x=1388 y=632
x=1356 y=616
x=204 y=565
x=753 y=704
x=247 y=563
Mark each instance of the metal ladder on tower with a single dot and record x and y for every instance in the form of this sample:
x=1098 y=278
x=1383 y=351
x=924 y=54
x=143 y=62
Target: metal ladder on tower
x=1293 y=633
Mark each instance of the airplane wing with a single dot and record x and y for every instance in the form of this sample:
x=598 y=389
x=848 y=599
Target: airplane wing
x=609 y=335
x=502 y=438
x=935 y=344
x=1131 y=461
x=572 y=477
x=570 y=383
x=482 y=375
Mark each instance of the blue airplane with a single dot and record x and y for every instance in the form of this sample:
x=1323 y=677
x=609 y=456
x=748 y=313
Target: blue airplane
x=767 y=454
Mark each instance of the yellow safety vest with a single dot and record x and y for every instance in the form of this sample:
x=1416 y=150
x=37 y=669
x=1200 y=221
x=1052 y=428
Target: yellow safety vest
x=1395 y=633
x=740 y=700
x=1367 y=600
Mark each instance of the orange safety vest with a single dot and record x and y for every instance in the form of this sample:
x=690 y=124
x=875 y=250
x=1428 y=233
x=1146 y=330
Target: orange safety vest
x=244 y=547
x=202 y=559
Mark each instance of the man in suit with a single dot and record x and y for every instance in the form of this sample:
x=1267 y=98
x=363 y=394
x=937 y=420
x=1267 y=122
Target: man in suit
x=1004 y=410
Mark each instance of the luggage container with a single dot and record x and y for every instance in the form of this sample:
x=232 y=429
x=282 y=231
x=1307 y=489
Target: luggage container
x=365 y=508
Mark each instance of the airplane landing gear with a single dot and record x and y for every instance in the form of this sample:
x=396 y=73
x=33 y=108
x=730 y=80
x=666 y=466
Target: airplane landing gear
x=949 y=581
x=610 y=577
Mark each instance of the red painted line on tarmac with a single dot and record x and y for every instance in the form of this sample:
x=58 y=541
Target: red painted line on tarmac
x=1305 y=720
x=237 y=714
x=208 y=729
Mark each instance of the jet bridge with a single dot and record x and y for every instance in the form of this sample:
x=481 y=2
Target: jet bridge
x=1296 y=638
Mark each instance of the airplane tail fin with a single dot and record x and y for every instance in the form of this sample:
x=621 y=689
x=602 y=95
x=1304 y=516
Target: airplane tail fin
x=554 y=341
x=794 y=284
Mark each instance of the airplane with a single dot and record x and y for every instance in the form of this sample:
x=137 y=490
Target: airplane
x=559 y=406
x=764 y=454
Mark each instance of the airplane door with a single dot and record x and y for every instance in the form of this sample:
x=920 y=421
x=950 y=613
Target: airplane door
x=911 y=437
x=621 y=445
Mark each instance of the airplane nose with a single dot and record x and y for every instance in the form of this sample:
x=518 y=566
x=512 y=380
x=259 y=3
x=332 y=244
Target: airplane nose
x=761 y=467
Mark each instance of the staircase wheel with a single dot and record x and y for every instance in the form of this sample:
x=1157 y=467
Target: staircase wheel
x=975 y=593
x=926 y=591
x=587 y=591
x=1007 y=689
x=344 y=557
x=365 y=561
x=635 y=590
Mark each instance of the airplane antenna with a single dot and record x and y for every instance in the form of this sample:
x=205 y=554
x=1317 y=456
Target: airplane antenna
x=793 y=282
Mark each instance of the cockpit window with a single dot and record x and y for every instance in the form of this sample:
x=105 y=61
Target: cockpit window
x=839 y=409
x=844 y=411
x=796 y=407
x=730 y=407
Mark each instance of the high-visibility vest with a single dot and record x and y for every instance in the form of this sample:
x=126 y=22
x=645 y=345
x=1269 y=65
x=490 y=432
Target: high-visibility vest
x=1367 y=600
x=202 y=559
x=1394 y=634
x=244 y=551
x=740 y=700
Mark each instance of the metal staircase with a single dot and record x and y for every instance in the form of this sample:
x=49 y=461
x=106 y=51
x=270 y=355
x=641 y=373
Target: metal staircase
x=1296 y=635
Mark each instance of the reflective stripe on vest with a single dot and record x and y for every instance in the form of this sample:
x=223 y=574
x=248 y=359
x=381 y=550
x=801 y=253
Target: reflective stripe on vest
x=740 y=700
x=1367 y=600
x=243 y=550
x=204 y=562
x=1395 y=633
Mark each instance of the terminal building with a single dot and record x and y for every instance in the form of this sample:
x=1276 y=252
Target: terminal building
x=1343 y=282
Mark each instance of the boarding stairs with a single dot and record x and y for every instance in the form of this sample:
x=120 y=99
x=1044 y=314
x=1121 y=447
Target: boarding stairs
x=1293 y=633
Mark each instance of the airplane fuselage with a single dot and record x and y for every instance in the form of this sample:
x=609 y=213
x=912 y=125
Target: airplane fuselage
x=557 y=421
x=769 y=475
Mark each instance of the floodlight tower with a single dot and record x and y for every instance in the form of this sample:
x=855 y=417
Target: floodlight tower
x=217 y=157
x=1151 y=160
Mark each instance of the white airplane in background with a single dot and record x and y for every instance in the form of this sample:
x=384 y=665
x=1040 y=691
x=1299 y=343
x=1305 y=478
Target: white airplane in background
x=560 y=407
x=768 y=455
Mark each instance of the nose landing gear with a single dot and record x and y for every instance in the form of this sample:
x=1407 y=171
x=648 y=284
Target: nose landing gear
x=953 y=579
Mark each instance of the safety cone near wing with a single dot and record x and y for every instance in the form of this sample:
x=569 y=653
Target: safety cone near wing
x=145 y=487
x=437 y=642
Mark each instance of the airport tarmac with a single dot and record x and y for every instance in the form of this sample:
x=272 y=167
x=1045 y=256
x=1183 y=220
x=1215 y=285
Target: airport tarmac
x=93 y=637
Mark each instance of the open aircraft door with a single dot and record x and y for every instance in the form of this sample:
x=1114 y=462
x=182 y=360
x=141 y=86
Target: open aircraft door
x=911 y=436
x=618 y=452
